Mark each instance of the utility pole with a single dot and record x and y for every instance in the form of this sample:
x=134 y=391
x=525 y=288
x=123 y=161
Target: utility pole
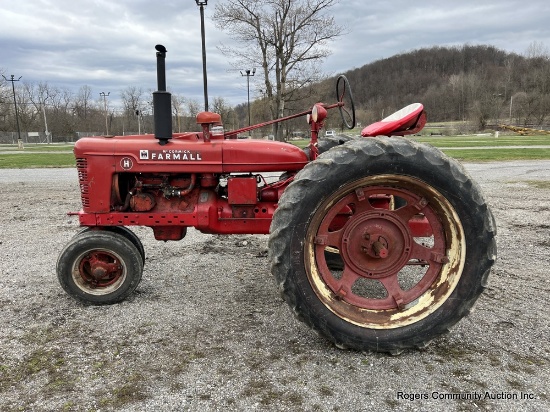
x=201 y=4
x=248 y=75
x=511 y=101
x=12 y=80
x=139 y=114
x=104 y=95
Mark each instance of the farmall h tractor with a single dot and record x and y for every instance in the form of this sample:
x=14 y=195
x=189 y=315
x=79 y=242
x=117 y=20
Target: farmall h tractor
x=377 y=243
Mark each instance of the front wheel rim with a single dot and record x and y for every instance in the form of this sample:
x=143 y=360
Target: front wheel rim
x=99 y=272
x=389 y=279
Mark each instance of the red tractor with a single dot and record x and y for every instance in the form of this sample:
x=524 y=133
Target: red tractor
x=377 y=243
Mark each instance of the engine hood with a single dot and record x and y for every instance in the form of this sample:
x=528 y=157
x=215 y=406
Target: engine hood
x=188 y=153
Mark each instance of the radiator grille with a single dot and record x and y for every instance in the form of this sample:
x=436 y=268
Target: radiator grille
x=82 y=168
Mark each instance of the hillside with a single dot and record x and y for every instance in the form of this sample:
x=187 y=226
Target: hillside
x=478 y=83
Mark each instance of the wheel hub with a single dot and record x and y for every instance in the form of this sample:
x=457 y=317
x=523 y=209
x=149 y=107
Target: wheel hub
x=98 y=272
x=100 y=269
x=376 y=244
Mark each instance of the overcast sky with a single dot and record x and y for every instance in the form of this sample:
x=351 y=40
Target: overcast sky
x=109 y=45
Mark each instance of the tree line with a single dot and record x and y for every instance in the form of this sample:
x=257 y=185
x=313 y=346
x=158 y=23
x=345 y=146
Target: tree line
x=481 y=85
x=61 y=114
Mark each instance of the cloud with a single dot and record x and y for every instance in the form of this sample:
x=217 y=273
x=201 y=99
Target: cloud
x=110 y=45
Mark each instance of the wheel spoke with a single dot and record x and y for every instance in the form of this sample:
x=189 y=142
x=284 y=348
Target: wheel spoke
x=113 y=267
x=347 y=113
x=421 y=253
x=93 y=259
x=333 y=239
x=345 y=283
x=363 y=203
x=424 y=254
x=407 y=212
x=394 y=290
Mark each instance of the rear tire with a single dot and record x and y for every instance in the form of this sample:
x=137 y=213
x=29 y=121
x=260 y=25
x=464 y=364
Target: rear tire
x=99 y=267
x=324 y=144
x=394 y=290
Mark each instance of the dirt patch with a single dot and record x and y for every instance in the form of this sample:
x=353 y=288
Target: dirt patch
x=207 y=330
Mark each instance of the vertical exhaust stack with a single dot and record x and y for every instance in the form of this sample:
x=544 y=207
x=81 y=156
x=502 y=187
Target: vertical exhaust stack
x=162 y=100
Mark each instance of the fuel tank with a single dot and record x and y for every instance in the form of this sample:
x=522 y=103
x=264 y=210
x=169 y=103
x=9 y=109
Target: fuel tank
x=189 y=153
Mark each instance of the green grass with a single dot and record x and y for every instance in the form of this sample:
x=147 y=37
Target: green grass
x=487 y=155
x=33 y=160
x=481 y=141
x=37 y=147
x=52 y=148
x=496 y=149
x=300 y=143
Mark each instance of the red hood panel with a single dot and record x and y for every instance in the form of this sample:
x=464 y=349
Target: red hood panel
x=193 y=155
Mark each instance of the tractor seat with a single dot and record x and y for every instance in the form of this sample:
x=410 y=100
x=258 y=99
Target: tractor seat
x=208 y=118
x=408 y=120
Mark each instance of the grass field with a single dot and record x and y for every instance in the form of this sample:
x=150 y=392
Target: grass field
x=490 y=148
x=484 y=141
x=32 y=160
x=466 y=148
x=37 y=147
x=498 y=154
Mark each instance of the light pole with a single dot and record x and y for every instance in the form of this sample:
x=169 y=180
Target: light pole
x=104 y=95
x=139 y=114
x=511 y=101
x=201 y=4
x=248 y=75
x=12 y=80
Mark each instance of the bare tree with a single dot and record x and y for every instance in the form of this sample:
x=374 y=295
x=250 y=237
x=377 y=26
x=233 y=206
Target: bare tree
x=537 y=49
x=132 y=101
x=4 y=100
x=286 y=38
x=193 y=108
x=177 y=107
x=39 y=95
x=62 y=113
x=82 y=103
x=226 y=112
x=25 y=110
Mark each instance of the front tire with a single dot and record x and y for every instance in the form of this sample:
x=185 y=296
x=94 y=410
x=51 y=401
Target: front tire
x=394 y=289
x=121 y=230
x=99 y=267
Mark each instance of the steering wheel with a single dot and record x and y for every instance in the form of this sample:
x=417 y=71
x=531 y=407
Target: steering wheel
x=347 y=110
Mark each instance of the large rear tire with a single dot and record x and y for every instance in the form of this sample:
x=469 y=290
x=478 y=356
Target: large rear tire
x=395 y=289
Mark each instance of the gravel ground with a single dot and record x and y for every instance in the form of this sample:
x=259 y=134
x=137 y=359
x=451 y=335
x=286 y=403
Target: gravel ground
x=207 y=330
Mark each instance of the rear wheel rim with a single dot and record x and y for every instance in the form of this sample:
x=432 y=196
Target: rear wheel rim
x=389 y=279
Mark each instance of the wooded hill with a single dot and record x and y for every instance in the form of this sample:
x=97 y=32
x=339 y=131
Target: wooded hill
x=481 y=84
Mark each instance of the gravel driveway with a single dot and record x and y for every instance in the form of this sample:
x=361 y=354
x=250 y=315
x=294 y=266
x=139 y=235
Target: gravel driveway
x=207 y=329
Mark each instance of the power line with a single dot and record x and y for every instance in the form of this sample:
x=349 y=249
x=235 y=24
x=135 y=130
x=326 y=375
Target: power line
x=12 y=80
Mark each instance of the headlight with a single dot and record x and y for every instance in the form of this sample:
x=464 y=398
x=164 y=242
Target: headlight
x=318 y=113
